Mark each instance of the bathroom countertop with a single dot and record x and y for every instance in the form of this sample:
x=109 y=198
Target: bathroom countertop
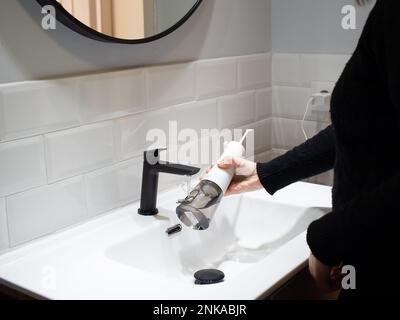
x=74 y=264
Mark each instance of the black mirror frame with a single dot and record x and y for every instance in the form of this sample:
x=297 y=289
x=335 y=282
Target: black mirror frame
x=71 y=22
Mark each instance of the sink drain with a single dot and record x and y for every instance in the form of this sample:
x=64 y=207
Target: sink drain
x=209 y=276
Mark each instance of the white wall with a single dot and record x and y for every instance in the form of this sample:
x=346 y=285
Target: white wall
x=219 y=28
x=314 y=26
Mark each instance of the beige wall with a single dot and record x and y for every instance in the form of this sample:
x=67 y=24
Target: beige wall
x=119 y=18
x=104 y=16
x=128 y=19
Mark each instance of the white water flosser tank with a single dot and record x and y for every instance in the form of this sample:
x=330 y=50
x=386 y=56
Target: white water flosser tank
x=197 y=210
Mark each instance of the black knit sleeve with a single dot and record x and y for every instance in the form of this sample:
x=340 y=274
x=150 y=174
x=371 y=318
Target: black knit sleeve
x=313 y=157
x=374 y=214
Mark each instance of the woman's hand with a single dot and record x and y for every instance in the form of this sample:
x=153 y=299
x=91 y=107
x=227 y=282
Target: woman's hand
x=246 y=178
x=328 y=279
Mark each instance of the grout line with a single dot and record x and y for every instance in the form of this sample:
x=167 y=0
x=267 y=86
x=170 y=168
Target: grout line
x=75 y=126
x=46 y=160
x=85 y=195
x=237 y=74
x=157 y=65
x=122 y=160
x=7 y=223
x=77 y=176
x=113 y=124
x=117 y=142
x=146 y=109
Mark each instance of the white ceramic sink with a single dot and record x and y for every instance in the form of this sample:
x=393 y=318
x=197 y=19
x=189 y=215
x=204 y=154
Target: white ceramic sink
x=258 y=241
x=245 y=230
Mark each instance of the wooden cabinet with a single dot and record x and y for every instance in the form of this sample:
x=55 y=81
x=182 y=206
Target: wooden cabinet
x=301 y=287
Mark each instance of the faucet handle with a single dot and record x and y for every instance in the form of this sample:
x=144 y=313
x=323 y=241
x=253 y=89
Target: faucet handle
x=153 y=156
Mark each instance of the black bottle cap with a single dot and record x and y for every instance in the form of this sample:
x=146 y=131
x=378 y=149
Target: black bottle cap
x=209 y=276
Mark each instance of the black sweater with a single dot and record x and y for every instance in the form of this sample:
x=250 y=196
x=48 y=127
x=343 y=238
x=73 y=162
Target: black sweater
x=362 y=146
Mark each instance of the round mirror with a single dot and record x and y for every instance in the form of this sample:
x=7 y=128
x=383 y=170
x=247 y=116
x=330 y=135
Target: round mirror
x=123 y=21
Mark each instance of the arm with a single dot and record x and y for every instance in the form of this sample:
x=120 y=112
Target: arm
x=313 y=157
x=375 y=213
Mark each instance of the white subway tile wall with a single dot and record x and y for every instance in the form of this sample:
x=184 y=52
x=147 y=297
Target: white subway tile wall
x=114 y=186
x=294 y=78
x=286 y=70
x=254 y=72
x=76 y=151
x=321 y=67
x=235 y=111
x=197 y=115
x=264 y=104
x=262 y=135
x=137 y=133
x=112 y=95
x=216 y=78
x=71 y=149
x=170 y=85
x=31 y=108
x=287 y=133
x=22 y=165
x=291 y=102
x=42 y=211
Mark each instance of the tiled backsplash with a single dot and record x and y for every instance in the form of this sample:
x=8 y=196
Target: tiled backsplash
x=71 y=149
x=294 y=78
x=301 y=70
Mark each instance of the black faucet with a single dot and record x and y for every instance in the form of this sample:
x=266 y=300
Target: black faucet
x=152 y=166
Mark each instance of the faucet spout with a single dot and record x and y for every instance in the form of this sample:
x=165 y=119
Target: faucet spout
x=152 y=166
x=177 y=169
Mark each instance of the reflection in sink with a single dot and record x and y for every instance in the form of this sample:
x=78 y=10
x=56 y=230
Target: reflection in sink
x=244 y=231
